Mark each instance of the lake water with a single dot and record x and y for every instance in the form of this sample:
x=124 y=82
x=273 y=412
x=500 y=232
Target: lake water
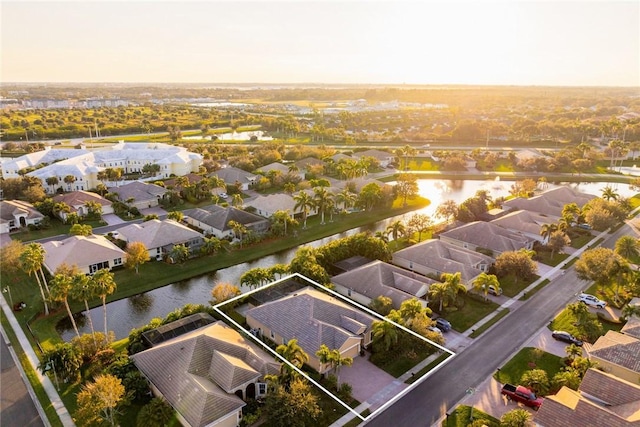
x=137 y=311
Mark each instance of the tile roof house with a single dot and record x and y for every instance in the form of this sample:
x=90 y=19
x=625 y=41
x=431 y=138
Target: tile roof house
x=601 y=400
x=233 y=176
x=525 y=222
x=88 y=253
x=485 y=235
x=205 y=374
x=383 y=157
x=159 y=237
x=551 y=202
x=340 y=157
x=632 y=327
x=143 y=195
x=313 y=318
x=307 y=162
x=618 y=354
x=282 y=168
x=266 y=206
x=77 y=200
x=15 y=214
x=214 y=220
x=435 y=257
x=377 y=278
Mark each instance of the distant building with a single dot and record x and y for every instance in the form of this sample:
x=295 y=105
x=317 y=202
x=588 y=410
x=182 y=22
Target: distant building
x=15 y=214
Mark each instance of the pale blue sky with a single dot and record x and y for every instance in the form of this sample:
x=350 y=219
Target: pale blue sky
x=427 y=42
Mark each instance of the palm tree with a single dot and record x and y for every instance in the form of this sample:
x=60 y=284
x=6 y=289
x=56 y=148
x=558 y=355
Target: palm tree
x=322 y=199
x=238 y=229
x=324 y=357
x=627 y=247
x=52 y=181
x=608 y=193
x=236 y=200
x=396 y=228
x=31 y=261
x=385 y=333
x=338 y=361
x=210 y=246
x=453 y=285
x=438 y=292
x=304 y=202
x=82 y=290
x=346 y=197
x=384 y=236
x=103 y=284
x=483 y=281
x=546 y=230
x=293 y=353
x=69 y=179
x=60 y=287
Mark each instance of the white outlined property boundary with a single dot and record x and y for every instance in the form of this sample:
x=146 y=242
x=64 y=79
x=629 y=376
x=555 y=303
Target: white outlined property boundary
x=350 y=302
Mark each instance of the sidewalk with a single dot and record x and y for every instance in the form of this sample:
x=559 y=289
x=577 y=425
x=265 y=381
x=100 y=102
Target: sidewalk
x=48 y=386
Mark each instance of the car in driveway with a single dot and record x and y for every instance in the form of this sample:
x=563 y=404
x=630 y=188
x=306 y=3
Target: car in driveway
x=223 y=195
x=494 y=290
x=592 y=301
x=443 y=324
x=565 y=336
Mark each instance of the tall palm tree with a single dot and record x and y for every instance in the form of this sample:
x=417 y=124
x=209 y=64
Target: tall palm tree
x=396 y=228
x=608 y=193
x=236 y=200
x=438 y=292
x=238 y=229
x=322 y=198
x=546 y=230
x=52 y=181
x=31 y=260
x=304 y=203
x=346 y=198
x=338 y=361
x=628 y=247
x=210 y=246
x=293 y=353
x=384 y=333
x=104 y=285
x=69 y=179
x=451 y=281
x=483 y=281
x=82 y=290
x=60 y=288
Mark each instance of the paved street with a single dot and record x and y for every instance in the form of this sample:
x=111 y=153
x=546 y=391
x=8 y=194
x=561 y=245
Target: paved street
x=431 y=400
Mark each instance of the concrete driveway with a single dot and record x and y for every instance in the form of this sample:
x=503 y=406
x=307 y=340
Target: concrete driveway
x=366 y=379
x=112 y=219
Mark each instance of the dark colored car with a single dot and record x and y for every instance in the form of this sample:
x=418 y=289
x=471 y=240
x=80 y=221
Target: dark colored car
x=566 y=337
x=443 y=324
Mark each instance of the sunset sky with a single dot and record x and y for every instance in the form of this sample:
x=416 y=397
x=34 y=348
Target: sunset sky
x=420 y=42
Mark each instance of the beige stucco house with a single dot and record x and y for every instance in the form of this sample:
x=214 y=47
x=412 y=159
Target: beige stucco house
x=617 y=354
x=88 y=253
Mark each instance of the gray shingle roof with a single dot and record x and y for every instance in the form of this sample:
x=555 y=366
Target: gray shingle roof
x=489 y=236
x=139 y=191
x=158 y=234
x=218 y=217
x=617 y=348
x=550 y=202
x=231 y=175
x=312 y=318
x=632 y=327
x=187 y=370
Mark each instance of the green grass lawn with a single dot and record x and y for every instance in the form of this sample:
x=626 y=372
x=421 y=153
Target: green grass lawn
x=56 y=228
x=565 y=322
x=422 y=164
x=526 y=359
x=578 y=242
x=403 y=360
x=464 y=415
x=472 y=311
x=546 y=258
x=512 y=285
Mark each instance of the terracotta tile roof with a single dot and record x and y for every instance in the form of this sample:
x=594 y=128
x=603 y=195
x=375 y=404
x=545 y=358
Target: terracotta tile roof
x=9 y=208
x=79 y=198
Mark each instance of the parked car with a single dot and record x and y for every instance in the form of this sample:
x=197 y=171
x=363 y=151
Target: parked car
x=223 y=195
x=523 y=395
x=592 y=301
x=494 y=290
x=435 y=329
x=584 y=226
x=443 y=324
x=565 y=336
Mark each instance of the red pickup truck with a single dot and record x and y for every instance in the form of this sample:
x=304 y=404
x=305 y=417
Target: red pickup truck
x=522 y=394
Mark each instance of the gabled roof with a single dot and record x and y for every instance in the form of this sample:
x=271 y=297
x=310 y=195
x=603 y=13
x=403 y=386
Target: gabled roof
x=274 y=202
x=193 y=370
x=361 y=181
x=308 y=161
x=632 y=327
x=620 y=349
x=231 y=175
x=379 y=278
x=79 y=250
x=524 y=221
x=10 y=208
x=550 y=202
x=76 y=199
x=340 y=156
x=157 y=234
x=601 y=400
x=489 y=236
x=277 y=166
x=313 y=318
x=191 y=177
x=139 y=191
x=377 y=154
x=445 y=257
x=218 y=217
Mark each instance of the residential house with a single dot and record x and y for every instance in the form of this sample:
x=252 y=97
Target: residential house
x=159 y=237
x=383 y=157
x=480 y=235
x=632 y=327
x=549 y=203
x=526 y=223
x=618 y=354
x=88 y=253
x=281 y=168
x=434 y=257
x=205 y=374
x=234 y=176
x=313 y=318
x=266 y=206
x=359 y=182
x=601 y=400
x=305 y=164
x=139 y=194
x=338 y=157
x=214 y=220
x=378 y=278
x=15 y=214
x=77 y=201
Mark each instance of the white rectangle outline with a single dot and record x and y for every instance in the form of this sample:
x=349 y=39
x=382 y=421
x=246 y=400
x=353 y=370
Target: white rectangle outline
x=348 y=301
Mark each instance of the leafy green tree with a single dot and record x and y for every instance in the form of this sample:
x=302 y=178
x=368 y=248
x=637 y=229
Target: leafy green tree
x=223 y=291
x=570 y=378
x=292 y=406
x=177 y=216
x=420 y=223
x=536 y=380
x=81 y=230
x=179 y=254
x=557 y=241
x=447 y=210
x=517 y=263
x=407 y=187
x=157 y=413
x=136 y=255
x=10 y=257
x=281 y=221
x=306 y=263
x=98 y=401
x=516 y=418
x=599 y=265
x=63 y=360
x=381 y=305
x=370 y=195
x=211 y=246
x=385 y=335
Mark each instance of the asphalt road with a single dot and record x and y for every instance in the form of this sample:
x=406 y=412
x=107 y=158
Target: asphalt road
x=428 y=402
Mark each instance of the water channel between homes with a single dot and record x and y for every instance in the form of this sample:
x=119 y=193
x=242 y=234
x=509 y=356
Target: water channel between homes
x=136 y=311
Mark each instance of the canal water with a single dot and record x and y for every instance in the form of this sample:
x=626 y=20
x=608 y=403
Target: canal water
x=136 y=311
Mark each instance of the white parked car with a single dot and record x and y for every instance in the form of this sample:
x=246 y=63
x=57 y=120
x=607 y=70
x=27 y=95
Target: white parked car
x=223 y=195
x=592 y=300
